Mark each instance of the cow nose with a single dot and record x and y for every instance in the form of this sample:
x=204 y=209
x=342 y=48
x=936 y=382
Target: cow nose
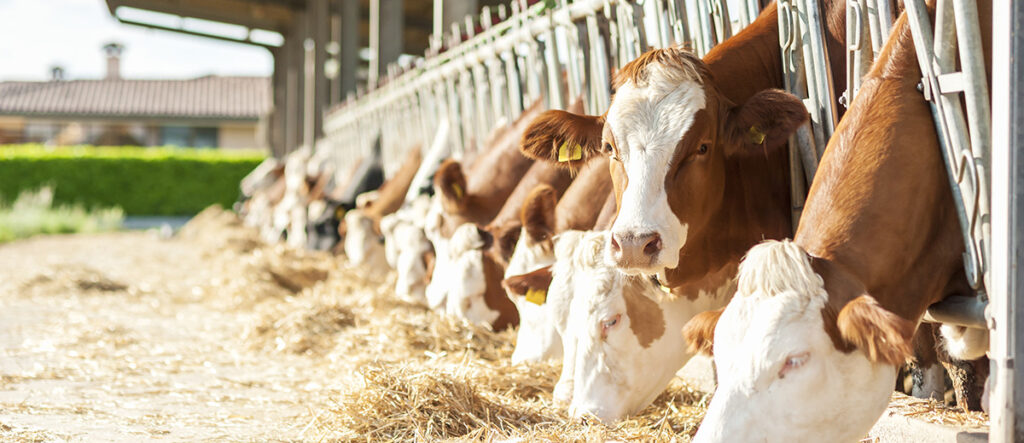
x=635 y=250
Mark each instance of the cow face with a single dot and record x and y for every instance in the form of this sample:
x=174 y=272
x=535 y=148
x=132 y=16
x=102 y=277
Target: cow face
x=789 y=369
x=537 y=338
x=465 y=274
x=620 y=349
x=671 y=137
x=362 y=243
x=414 y=260
x=542 y=299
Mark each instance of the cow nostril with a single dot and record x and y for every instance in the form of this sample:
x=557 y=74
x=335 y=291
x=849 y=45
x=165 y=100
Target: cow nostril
x=615 y=244
x=653 y=245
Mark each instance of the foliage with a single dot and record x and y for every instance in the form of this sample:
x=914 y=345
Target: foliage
x=142 y=181
x=33 y=213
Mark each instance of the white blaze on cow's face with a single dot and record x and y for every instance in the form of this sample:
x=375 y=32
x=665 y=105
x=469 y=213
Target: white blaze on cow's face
x=362 y=245
x=780 y=376
x=388 y=224
x=624 y=344
x=644 y=125
x=411 y=264
x=437 y=293
x=464 y=277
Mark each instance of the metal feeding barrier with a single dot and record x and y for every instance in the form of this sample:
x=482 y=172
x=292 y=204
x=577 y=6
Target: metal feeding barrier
x=484 y=73
x=555 y=51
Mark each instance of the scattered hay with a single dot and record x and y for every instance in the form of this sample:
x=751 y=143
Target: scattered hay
x=934 y=411
x=69 y=278
x=405 y=372
x=251 y=270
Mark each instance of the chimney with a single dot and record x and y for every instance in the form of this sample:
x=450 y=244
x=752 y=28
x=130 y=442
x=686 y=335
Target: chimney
x=57 y=73
x=113 y=51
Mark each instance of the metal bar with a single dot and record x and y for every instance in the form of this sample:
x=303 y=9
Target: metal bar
x=958 y=310
x=1007 y=283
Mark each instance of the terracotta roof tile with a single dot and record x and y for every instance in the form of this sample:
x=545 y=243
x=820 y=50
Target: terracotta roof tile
x=242 y=98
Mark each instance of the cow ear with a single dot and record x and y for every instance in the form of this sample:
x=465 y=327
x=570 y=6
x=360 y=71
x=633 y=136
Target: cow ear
x=699 y=332
x=564 y=138
x=885 y=337
x=451 y=182
x=538 y=213
x=537 y=280
x=768 y=118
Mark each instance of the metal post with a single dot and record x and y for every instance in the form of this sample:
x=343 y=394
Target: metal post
x=276 y=130
x=1007 y=284
x=349 y=58
x=447 y=12
x=386 y=24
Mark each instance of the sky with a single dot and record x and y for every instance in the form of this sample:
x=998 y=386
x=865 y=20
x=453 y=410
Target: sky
x=36 y=35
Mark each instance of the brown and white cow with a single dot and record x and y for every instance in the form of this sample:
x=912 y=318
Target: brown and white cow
x=699 y=177
x=809 y=347
x=478 y=256
x=543 y=218
x=474 y=198
x=363 y=245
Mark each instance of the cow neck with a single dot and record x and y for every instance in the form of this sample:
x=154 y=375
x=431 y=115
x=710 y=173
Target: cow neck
x=541 y=172
x=583 y=200
x=755 y=207
x=880 y=207
x=495 y=296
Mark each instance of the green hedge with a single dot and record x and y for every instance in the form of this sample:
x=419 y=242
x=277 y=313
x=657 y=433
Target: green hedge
x=142 y=181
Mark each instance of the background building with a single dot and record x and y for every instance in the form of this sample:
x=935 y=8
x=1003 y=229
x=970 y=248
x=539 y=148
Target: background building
x=207 y=111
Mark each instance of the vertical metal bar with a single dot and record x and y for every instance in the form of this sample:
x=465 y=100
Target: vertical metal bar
x=556 y=96
x=1007 y=288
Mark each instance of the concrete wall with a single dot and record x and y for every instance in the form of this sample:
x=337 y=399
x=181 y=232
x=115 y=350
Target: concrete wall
x=237 y=136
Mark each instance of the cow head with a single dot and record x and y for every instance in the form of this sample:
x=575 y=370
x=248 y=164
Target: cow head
x=620 y=350
x=791 y=366
x=362 y=242
x=473 y=288
x=537 y=338
x=671 y=136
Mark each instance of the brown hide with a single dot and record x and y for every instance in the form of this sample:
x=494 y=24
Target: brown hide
x=584 y=199
x=391 y=193
x=607 y=215
x=493 y=177
x=879 y=218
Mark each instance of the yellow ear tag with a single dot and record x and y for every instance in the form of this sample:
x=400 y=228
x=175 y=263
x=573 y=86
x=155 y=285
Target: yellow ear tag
x=536 y=296
x=339 y=213
x=756 y=136
x=664 y=289
x=569 y=153
x=458 y=190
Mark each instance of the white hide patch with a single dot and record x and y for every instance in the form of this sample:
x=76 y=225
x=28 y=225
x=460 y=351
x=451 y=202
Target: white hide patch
x=771 y=348
x=362 y=246
x=437 y=293
x=464 y=277
x=964 y=343
x=647 y=122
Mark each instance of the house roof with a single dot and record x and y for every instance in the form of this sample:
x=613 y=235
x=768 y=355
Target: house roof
x=210 y=97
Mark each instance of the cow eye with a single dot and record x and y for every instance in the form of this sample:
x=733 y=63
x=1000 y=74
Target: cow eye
x=793 y=362
x=609 y=323
x=703 y=149
x=607 y=148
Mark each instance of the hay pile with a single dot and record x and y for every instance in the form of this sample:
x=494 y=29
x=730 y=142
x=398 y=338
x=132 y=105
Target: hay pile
x=404 y=372
x=249 y=270
x=397 y=370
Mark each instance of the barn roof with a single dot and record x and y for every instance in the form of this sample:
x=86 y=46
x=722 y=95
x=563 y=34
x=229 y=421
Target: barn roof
x=209 y=97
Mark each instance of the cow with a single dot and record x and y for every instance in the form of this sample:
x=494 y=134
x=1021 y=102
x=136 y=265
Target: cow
x=828 y=317
x=474 y=198
x=543 y=218
x=700 y=174
x=363 y=233
x=478 y=256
